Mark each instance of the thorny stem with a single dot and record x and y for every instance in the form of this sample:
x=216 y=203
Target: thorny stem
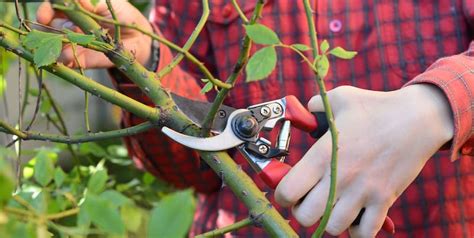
x=117 y=27
x=162 y=40
x=75 y=139
x=86 y=94
x=332 y=127
x=221 y=231
x=241 y=61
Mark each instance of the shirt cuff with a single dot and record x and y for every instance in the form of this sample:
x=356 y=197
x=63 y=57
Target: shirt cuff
x=454 y=75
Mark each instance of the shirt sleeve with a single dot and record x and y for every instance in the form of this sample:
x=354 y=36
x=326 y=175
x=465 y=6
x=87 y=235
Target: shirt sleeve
x=454 y=75
x=153 y=151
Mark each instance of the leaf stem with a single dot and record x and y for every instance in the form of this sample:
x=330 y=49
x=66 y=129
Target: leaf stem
x=221 y=231
x=332 y=127
x=117 y=27
x=239 y=11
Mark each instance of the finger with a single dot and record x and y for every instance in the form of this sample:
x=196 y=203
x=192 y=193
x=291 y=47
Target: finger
x=315 y=104
x=61 y=23
x=371 y=222
x=101 y=7
x=45 y=13
x=344 y=213
x=305 y=174
x=311 y=209
x=87 y=58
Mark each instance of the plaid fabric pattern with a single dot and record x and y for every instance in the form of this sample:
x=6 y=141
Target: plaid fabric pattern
x=399 y=42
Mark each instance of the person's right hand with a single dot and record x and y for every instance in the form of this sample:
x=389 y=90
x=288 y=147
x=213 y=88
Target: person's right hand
x=134 y=41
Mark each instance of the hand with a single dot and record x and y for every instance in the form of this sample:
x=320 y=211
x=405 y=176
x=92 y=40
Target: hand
x=385 y=139
x=133 y=40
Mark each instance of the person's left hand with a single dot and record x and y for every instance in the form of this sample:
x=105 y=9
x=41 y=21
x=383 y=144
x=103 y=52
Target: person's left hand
x=385 y=139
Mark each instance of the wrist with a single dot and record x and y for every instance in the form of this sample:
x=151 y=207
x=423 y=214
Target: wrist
x=431 y=107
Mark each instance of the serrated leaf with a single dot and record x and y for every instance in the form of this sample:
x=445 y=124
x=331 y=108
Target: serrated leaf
x=172 y=216
x=261 y=34
x=323 y=66
x=79 y=38
x=261 y=64
x=207 y=87
x=324 y=46
x=342 y=53
x=103 y=214
x=97 y=181
x=44 y=167
x=46 y=46
x=301 y=47
x=59 y=177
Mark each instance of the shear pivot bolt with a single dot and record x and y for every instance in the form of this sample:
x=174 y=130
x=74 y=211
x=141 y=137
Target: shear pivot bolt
x=265 y=111
x=263 y=149
x=222 y=113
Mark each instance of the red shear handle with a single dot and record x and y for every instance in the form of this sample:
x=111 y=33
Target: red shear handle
x=274 y=172
x=314 y=123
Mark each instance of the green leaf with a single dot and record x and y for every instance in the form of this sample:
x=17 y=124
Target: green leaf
x=79 y=38
x=324 y=46
x=45 y=106
x=261 y=34
x=94 y=2
x=342 y=53
x=59 y=177
x=92 y=148
x=301 y=47
x=103 y=214
x=148 y=178
x=172 y=216
x=3 y=84
x=323 y=66
x=46 y=46
x=6 y=181
x=97 y=181
x=261 y=64
x=116 y=198
x=133 y=216
x=207 y=87
x=44 y=167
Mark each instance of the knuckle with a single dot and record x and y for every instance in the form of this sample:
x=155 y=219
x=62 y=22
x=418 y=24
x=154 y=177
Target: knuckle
x=334 y=228
x=285 y=197
x=340 y=94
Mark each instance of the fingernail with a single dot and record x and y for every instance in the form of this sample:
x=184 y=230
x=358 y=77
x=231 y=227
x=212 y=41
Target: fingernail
x=68 y=25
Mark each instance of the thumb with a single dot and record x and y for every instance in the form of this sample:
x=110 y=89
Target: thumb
x=315 y=104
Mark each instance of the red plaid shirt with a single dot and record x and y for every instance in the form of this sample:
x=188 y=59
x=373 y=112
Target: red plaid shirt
x=398 y=42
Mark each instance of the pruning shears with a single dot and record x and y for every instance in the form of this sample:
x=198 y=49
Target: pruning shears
x=241 y=128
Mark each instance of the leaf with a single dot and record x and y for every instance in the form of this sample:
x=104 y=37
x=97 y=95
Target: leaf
x=44 y=167
x=207 y=87
x=261 y=34
x=301 y=47
x=45 y=106
x=116 y=198
x=323 y=66
x=97 y=181
x=92 y=148
x=133 y=216
x=103 y=214
x=6 y=181
x=324 y=46
x=3 y=84
x=342 y=53
x=59 y=177
x=95 y=2
x=46 y=46
x=261 y=64
x=148 y=178
x=172 y=216
x=79 y=38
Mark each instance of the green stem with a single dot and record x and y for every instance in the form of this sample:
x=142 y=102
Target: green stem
x=117 y=27
x=75 y=139
x=221 y=231
x=192 y=38
x=162 y=40
x=239 y=10
x=332 y=127
x=241 y=61
x=312 y=28
x=86 y=94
